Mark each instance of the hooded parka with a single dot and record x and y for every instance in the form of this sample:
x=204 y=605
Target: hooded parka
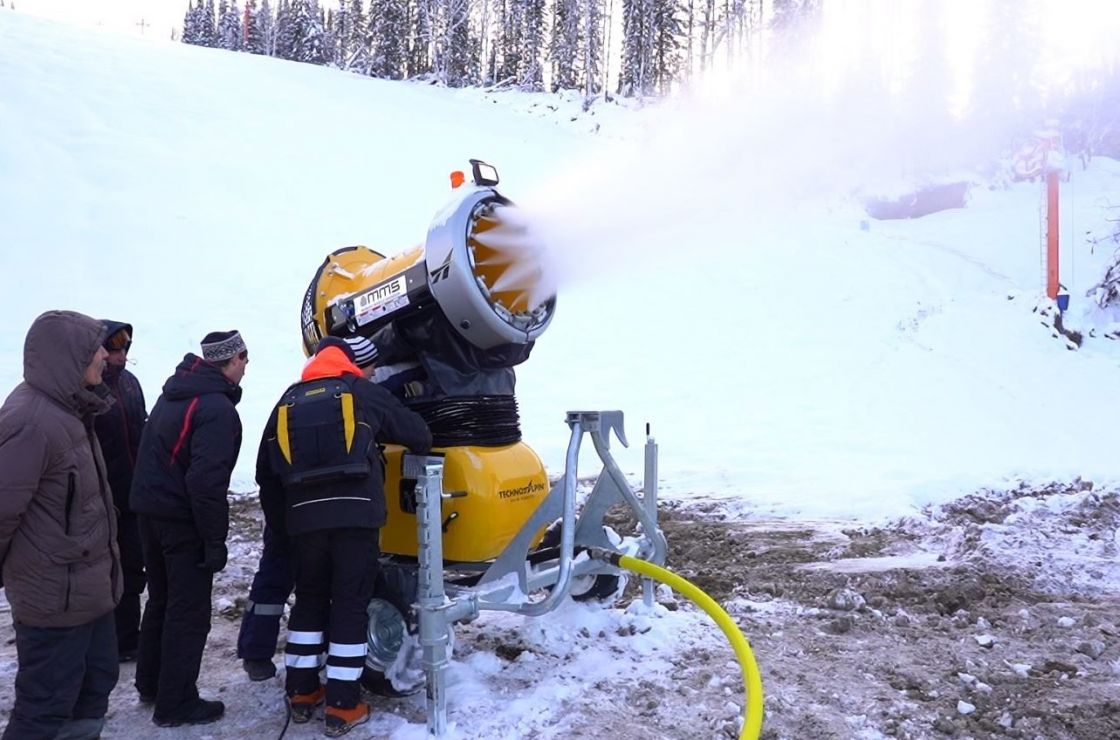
x=58 y=538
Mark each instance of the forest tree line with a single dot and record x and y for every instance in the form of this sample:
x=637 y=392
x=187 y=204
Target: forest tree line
x=534 y=45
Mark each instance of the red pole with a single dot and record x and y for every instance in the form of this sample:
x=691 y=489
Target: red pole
x=1051 y=232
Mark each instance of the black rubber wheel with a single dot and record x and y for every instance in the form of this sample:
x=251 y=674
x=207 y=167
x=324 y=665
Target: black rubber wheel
x=606 y=588
x=397 y=585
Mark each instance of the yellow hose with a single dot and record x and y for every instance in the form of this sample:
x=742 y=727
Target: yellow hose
x=752 y=681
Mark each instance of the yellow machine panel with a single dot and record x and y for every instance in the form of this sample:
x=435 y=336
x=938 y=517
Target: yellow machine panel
x=504 y=486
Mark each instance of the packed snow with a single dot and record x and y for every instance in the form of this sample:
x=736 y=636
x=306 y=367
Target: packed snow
x=795 y=359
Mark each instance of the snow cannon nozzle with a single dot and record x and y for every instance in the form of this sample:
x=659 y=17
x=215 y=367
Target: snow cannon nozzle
x=481 y=268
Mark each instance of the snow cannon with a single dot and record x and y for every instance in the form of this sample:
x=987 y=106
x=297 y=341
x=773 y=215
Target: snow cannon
x=478 y=269
x=451 y=318
x=478 y=524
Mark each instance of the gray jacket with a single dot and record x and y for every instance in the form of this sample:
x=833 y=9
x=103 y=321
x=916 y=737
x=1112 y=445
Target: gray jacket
x=58 y=528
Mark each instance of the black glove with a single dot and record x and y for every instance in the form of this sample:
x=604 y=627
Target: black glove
x=213 y=556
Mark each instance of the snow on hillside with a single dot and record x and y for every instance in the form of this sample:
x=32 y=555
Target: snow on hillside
x=786 y=359
x=715 y=282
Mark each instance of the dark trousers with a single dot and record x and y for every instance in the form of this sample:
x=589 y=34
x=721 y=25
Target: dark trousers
x=132 y=568
x=64 y=679
x=272 y=585
x=335 y=571
x=177 y=616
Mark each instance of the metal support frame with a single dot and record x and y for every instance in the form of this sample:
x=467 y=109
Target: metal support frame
x=649 y=503
x=506 y=584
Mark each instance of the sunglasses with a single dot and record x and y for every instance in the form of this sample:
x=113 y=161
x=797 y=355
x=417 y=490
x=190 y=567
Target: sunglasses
x=118 y=346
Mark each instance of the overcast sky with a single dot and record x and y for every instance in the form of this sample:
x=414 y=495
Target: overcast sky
x=118 y=16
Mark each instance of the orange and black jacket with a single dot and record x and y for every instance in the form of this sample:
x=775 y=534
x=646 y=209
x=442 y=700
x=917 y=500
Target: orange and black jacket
x=188 y=450
x=354 y=495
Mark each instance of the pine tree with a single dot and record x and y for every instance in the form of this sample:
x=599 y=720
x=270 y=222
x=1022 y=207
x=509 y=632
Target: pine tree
x=637 y=42
x=308 y=36
x=456 y=50
x=358 y=43
x=594 y=27
x=510 y=47
x=190 y=24
x=284 y=32
x=331 y=51
x=389 y=31
x=668 y=41
x=565 y=48
x=207 y=30
x=532 y=72
x=422 y=36
x=259 y=34
x=230 y=32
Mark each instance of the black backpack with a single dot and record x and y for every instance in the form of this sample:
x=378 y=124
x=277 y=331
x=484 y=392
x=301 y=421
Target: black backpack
x=321 y=435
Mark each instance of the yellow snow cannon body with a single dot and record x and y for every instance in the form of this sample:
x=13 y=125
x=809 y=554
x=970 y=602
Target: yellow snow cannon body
x=493 y=492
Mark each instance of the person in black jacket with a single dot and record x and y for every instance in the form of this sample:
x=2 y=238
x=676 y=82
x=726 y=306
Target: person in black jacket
x=321 y=486
x=119 y=431
x=273 y=581
x=187 y=454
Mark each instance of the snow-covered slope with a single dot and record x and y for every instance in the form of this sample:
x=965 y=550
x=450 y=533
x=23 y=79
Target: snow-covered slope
x=786 y=358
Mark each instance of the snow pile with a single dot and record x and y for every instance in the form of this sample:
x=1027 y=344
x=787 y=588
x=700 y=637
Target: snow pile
x=1067 y=535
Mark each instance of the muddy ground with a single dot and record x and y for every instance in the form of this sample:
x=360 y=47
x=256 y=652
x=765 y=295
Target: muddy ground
x=918 y=629
x=992 y=617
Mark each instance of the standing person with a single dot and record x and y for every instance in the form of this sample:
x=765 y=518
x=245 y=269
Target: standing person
x=119 y=431
x=273 y=581
x=319 y=469
x=260 y=625
x=187 y=454
x=58 y=533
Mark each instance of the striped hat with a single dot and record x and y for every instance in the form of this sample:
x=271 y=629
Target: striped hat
x=365 y=353
x=218 y=346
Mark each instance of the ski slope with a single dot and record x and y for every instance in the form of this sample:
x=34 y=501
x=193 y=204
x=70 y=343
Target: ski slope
x=789 y=361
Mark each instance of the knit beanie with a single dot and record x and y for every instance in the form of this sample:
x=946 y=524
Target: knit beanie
x=365 y=353
x=219 y=346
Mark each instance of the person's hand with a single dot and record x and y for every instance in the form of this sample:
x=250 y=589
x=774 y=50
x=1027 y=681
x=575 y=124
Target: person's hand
x=213 y=556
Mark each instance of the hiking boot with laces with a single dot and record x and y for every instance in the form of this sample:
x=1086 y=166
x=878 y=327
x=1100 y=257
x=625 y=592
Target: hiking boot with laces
x=303 y=705
x=339 y=721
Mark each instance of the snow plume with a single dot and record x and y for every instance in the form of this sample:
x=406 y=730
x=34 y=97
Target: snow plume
x=510 y=251
x=868 y=97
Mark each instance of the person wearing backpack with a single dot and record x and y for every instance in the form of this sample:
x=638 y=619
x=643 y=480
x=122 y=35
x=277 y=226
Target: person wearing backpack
x=319 y=467
x=273 y=582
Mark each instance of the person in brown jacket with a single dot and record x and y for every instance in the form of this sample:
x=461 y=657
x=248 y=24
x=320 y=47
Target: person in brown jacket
x=58 y=540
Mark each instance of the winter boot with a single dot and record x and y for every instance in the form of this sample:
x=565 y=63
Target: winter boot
x=259 y=670
x=340 y=721
x=197 y=712
x=302 y=706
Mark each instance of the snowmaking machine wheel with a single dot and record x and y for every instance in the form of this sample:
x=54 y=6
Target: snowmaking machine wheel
x=393 y=656
x=392 y=630
x=388 y=637
x=602 y=589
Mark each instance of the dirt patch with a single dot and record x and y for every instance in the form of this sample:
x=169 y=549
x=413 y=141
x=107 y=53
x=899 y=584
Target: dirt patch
x=954 y=628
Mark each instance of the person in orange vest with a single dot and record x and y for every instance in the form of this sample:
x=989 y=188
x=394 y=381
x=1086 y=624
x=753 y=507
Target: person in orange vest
x=319 y=467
